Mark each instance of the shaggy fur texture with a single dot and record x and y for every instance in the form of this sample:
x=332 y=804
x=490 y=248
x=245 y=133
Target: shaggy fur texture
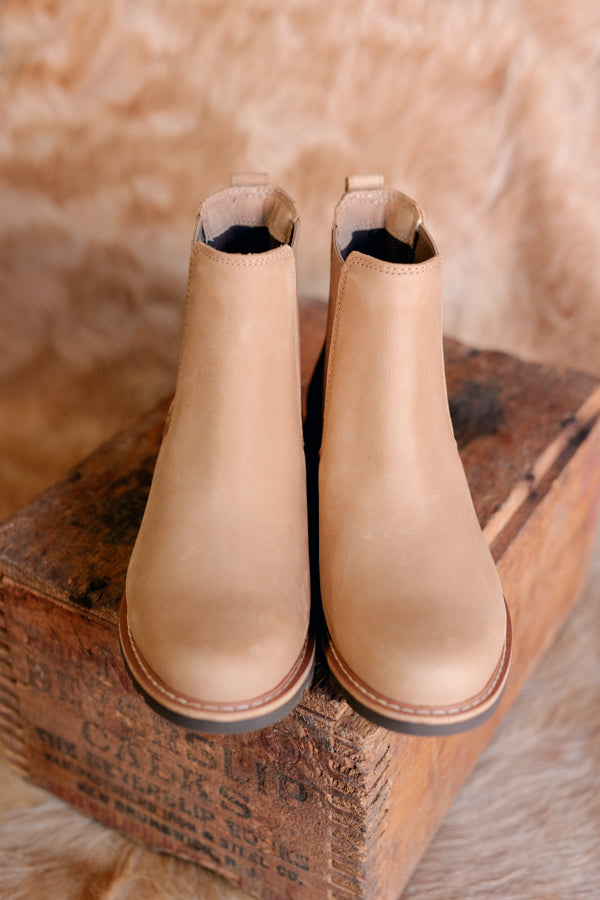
x=117 y=119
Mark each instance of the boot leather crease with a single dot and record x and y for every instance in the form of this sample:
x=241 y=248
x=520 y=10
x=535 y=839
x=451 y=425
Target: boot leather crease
x=419 y=635
x=214 y=618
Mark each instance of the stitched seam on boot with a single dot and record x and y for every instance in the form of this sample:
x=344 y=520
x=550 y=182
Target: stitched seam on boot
x=184 y=341
x=424 y=711
x=398 y=269
x=333 y=348
x=241 y=260
x=380 y=196
x=355 y=259
x=215 y=707
x=376 y=197
x=201 y=249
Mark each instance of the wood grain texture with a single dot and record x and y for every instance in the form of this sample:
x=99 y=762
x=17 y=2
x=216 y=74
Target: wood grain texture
x=323 y=804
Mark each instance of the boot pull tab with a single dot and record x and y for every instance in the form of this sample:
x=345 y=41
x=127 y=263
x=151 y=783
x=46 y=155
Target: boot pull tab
x=249 y=179
x=363 y=182
x=280 y=214
x=399 y=214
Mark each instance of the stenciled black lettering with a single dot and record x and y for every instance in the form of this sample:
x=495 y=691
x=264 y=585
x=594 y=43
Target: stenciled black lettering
x=193 y=782
x=291 y=789
x=126 y=750
x=202 y=748
x=57 y=743
x=228 y=766
x=235 y=803
x=95 y=736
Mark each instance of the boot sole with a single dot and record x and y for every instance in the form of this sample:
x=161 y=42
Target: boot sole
x=426 y=721
x=215 y=718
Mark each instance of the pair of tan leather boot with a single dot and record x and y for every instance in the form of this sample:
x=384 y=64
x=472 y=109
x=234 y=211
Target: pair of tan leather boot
x=215 y=619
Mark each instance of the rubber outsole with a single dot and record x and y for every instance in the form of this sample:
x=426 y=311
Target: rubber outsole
x=419 y=729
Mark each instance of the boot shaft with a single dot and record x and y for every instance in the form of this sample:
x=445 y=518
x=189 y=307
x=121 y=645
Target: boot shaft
x=238 y=385
x=385 y=309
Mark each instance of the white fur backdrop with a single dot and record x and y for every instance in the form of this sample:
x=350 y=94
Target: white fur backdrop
x=117 y=118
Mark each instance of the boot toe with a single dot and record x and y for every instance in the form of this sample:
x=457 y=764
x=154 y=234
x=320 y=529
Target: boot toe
x=220 y=674
x=431 y=664
x=205 y=672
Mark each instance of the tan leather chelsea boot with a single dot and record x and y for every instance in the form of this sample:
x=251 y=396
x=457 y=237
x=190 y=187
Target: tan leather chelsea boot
x=214 y=619
x=418 y=631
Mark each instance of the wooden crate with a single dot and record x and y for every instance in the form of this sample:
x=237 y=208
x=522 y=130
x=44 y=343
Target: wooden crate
x=322 y=804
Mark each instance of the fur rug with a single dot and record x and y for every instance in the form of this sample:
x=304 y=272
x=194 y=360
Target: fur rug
x=117 y=119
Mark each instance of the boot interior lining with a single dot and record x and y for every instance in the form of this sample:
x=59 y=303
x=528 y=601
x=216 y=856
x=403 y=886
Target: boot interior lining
x=380 y=244
x=245 y=239
x=247 y=220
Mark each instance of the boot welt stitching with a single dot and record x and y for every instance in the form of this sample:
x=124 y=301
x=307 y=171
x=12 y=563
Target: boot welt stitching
x=215 y=707
x=448 y=711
